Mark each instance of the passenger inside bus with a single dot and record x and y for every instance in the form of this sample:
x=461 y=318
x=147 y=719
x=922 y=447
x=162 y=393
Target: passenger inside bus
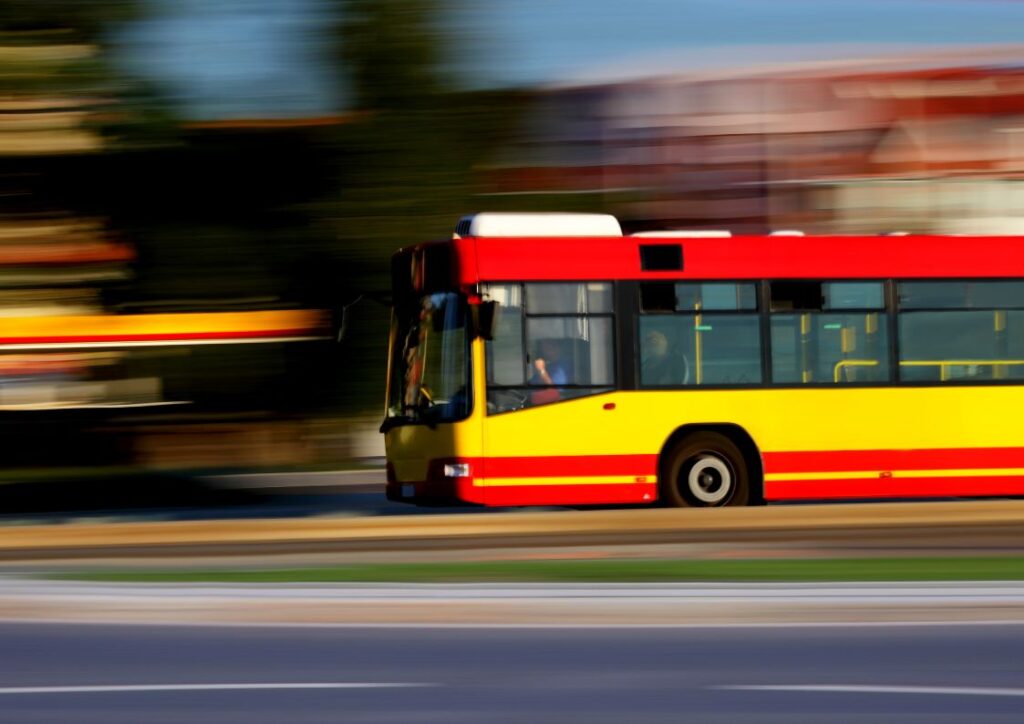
x=659 y=365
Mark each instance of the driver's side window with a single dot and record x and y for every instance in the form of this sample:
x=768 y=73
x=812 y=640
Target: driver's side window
x=551 y=342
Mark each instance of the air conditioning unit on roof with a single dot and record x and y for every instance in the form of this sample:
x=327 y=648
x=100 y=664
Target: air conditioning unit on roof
x=528 y=224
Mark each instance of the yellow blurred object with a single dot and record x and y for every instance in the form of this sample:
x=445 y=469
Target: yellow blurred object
x=162 y=329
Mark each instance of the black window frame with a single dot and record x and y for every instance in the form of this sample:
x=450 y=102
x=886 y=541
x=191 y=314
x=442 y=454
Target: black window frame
x=675 y=312
x=612 y=316
x=884 y=311
x=890 y=310
x=627 y=311
x=898 y=309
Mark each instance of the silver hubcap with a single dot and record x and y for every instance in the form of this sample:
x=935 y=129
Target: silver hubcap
x=709 y=480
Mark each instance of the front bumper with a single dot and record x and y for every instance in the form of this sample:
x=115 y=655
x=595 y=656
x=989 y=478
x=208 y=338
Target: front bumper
x=436 y=490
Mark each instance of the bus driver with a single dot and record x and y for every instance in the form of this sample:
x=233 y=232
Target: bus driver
x=550 y=370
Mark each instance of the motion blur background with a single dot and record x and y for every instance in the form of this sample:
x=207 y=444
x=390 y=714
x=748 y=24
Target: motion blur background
x=192 y=191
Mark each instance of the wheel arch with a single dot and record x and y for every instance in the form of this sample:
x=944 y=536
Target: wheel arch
x=738 y=435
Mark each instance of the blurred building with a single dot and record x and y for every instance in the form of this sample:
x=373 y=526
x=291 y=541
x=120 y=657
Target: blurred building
x=923 y=142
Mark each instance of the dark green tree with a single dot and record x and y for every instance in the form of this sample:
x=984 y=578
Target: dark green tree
x=406 y=158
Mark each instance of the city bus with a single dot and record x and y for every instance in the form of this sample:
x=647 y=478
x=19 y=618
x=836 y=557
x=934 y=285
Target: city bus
x=549 y=359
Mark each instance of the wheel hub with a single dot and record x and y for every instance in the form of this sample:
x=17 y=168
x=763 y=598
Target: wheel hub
x=710 y=480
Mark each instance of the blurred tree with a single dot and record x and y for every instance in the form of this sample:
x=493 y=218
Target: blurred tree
x=401 y=169
x=393 y=52
x=76 y=20
x=244 y=214
x=55 y=63
x=405 y=161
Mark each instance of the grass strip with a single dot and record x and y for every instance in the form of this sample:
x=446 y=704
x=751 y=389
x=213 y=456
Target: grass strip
x=599 y=571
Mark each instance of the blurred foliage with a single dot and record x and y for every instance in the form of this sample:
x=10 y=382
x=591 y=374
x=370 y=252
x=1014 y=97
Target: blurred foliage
x=57 y=50
x=257 y=216
x=406 y=159
x=73 y=20
x=392 y=51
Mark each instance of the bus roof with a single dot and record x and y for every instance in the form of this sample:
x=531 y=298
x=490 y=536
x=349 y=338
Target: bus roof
x=739 y=257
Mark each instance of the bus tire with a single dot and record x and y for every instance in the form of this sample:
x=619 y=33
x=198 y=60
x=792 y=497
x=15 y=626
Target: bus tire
x=705 y=470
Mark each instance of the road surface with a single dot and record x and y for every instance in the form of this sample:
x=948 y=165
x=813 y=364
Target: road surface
x=120 y=673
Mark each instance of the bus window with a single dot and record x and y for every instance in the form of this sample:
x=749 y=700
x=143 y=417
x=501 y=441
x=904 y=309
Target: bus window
x=962 y=295
x=553 y=341
x=504 y=352
x=695 y=349
x=657 y=297
x=795 y=295
x=830 y=348
x=818 y=345
x=853 y=295
x=961 y=331
x=575 y=350
x=716 y=296
x=705 y=342
x=584 y=298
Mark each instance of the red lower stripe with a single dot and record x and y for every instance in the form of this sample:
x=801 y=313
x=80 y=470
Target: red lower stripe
x=850 y=460
x=611 y=494
x=567 y=466
x=939 y=487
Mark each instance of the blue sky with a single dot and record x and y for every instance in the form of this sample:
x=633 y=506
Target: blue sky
x=236 y=58
x=553 y=39
x=224 y=58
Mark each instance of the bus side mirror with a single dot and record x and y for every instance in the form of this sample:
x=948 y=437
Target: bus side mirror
x=486 y=314
x=342 y=318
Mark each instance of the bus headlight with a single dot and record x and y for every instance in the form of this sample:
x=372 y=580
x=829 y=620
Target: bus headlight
x=456 y=470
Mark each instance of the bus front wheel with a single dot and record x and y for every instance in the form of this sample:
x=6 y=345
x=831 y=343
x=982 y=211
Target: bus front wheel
x=705 y=470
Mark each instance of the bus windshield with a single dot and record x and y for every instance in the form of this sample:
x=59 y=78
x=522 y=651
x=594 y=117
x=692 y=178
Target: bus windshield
x=429 y=362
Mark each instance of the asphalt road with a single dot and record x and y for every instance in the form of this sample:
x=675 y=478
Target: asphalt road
x=452 y=675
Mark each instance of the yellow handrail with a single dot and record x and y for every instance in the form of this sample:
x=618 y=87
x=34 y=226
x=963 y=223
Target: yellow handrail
x=847 y=363
x=698 y=345
x=945 y=364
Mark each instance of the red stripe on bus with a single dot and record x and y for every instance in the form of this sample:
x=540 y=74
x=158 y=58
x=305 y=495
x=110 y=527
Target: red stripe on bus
x=157 y=336
x=743 y=257
x=938 y=487
x=569 y=494
x=854 y=460
x=568 y=465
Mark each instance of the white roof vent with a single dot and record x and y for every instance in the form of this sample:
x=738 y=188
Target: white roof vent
x=787 y=232
x=694 y=234
x=537 y=224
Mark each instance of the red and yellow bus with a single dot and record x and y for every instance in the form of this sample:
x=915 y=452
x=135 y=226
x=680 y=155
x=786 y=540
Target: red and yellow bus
x=551 y=360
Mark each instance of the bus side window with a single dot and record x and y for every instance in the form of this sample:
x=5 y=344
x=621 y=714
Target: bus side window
x=554 y=342
x=710 y=334
x=504 y=352
x=575 y=350
x=829 y=332
x=953 y=331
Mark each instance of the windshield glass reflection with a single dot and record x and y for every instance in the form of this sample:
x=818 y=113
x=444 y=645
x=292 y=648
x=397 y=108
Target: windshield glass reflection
x=430 y=375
